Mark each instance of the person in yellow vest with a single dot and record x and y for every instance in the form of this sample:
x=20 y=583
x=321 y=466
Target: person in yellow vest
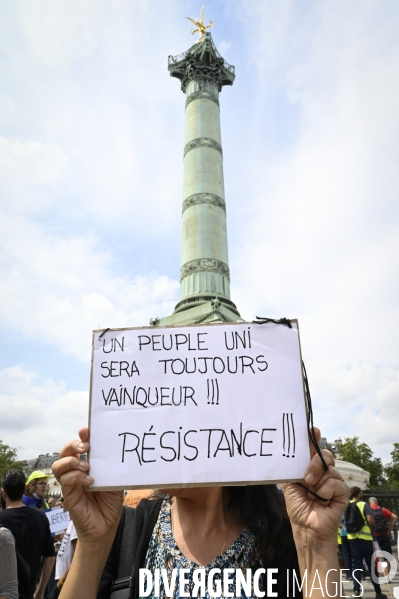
x=361 y=545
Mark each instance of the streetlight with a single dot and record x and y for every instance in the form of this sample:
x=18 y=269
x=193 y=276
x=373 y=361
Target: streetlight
x=379 y=480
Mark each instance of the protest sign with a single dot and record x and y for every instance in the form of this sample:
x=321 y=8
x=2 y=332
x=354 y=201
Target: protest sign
x=197 y=405
x=59 y=520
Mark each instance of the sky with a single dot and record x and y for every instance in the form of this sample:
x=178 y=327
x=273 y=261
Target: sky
x=91 y=171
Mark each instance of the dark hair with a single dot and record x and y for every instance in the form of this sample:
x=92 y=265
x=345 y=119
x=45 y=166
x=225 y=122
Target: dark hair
x=355 y=492
x=262 y=508
x=13 y=484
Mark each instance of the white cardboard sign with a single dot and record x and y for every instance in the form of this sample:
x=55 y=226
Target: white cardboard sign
x=58 y=519
x=197 y=405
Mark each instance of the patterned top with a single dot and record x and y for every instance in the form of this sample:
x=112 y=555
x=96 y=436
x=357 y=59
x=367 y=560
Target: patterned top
x=163 y=552
x=8 y=565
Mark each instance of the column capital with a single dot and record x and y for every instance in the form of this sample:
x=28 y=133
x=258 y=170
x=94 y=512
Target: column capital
x=201 y=61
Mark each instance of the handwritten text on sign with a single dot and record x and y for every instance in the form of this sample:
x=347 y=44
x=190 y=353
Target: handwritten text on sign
x=197 y=405
x=58 y=519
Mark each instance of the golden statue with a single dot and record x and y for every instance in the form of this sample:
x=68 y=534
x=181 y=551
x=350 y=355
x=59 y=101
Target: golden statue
x=201 y=28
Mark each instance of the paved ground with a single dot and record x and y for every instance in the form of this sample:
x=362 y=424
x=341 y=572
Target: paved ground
x=369 y=592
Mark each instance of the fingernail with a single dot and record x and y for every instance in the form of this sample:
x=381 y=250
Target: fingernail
x=81 y=446
x=89 y=478
x=309 y=478
x=83 y=465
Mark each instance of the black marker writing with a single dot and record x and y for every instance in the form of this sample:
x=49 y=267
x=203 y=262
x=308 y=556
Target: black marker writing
x=214 y=365
x=115 y=369
x=178 y=444
x=114 y=345
x=149 y=396
x=189 y=341
x=235 y=340
x=293 y=433
x=288 y=430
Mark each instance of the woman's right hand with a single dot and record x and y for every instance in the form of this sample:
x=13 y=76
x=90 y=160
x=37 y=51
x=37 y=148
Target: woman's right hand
x=95 y=514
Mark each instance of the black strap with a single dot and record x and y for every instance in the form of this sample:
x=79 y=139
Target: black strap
x=262 y=320
x=311 y=432
x=312 y=436
x=135 y=530
x=22 y=532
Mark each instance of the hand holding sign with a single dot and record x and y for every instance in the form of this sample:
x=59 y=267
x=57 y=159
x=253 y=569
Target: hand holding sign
x=95 y=515
x=305 y=511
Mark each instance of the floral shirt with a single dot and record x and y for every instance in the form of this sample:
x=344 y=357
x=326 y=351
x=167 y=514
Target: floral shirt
x=163 y=552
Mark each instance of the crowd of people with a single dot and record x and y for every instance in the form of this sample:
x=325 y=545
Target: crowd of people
x=358 y=541
x=29 y=565
x=182 y=528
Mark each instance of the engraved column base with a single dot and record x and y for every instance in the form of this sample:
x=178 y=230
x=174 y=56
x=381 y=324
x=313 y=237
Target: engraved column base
x=211 y=310
x=201 y=299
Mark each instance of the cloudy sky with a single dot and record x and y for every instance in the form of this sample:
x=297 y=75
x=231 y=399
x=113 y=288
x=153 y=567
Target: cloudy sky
x=91 y=141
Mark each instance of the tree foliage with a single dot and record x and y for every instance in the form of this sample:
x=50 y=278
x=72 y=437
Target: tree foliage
x=361 y=455
x=8 y=459
x=392 y=469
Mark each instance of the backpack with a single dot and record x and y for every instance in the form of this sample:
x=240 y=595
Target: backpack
x=380 y=522
x=23 y=573
x=354 y=520
x=23 y=569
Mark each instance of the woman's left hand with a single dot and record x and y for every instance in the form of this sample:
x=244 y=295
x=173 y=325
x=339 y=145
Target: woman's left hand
x=309 y=515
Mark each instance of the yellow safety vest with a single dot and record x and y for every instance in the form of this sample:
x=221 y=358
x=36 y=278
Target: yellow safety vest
x=364 y=532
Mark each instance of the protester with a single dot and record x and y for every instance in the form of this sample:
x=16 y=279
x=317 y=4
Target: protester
x=361 y=544
x=64 y=558
x=8 y=566
x=35 y=494
x=235 y=527
x=384 y=522
x=31 y=530
x=36 y=489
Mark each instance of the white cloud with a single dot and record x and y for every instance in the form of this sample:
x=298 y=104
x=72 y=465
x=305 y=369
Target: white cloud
x=85 y=138
x=36 y=417
x=58 y=289
x=362 y=400
x=86 y=167
x=28 y=169
x=324 y=218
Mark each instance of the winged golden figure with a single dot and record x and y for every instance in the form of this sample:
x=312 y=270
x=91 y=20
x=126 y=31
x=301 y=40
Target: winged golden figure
x=200 y=27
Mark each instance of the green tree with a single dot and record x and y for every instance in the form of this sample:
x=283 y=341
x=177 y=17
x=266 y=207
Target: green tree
x=392 y=469
x=361 y=455
x=8 y=458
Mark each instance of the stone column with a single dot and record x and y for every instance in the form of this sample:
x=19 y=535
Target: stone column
x=204 y=273
x=204 y=266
